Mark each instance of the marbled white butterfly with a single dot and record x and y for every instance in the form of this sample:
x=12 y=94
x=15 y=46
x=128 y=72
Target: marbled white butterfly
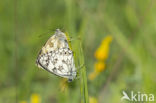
x=56 y=56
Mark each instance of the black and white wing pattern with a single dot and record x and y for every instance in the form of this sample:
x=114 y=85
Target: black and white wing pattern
x=56 y=57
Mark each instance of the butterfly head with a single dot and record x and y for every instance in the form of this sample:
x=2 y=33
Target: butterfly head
x=72 y=77
x=70 y=80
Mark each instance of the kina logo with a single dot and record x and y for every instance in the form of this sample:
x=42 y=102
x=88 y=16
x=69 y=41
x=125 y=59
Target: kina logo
x=142 y=97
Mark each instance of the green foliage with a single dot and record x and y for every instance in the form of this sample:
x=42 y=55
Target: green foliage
x=25 y=25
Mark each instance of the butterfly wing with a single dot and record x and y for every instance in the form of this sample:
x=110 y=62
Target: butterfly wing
x=59 y=62
x=57 y=58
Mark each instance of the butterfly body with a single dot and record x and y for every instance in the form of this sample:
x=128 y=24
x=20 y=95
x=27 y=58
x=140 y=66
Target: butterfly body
x=56 y=57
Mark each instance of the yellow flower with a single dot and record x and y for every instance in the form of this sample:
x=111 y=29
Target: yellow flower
x=92 y=100
x=35 y=98
x=99 y=66
x=23 y=101
x=101 y=54
x=108 y=40
x=103 y=51
x=93 y=75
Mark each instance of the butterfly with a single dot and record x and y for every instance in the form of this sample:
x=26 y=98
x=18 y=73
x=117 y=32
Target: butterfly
x=56 y=57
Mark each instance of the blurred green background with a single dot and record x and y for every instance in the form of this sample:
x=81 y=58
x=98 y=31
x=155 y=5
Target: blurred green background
x=25 y=25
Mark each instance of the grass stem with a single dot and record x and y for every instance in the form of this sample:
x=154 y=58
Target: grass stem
x=84 y=87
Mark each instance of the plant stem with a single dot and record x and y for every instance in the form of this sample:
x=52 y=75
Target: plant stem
x=84 y=87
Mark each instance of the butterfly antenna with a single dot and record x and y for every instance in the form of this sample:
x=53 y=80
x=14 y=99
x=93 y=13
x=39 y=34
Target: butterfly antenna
x=49 y=32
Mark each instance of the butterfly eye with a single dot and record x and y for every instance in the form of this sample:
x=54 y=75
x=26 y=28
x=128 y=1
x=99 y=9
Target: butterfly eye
x=70 y=80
